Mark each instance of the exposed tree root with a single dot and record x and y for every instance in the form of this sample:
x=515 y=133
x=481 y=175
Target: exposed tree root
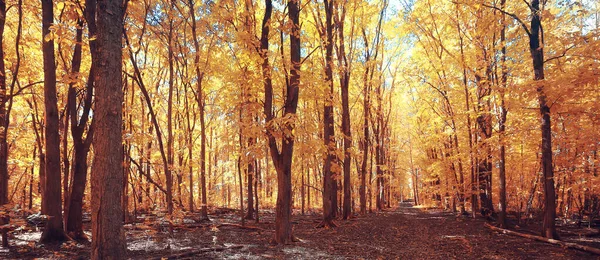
x=326 y=224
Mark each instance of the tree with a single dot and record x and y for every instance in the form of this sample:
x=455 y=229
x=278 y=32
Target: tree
x=536 y=50
x=502 y=122
x=3 y=119
x=108 y=238
x=200 y=98
x=53 y=231
x=282 y=159
x=344 y=64
x=329 y=171
x=81 y=145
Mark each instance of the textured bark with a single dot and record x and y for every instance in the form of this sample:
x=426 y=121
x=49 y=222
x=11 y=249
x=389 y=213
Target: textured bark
x=81 y=145
x=537 y=55
x=329 y=192
x=108 y=239
x=250 y=171
x=502 y=124
x=366 y=139
x=472 y=187
x=170 y=154
x=3 y=120
x=344 y=86
x=483 y=81
x=201 y=105
x=282 y=159
x=52 y=200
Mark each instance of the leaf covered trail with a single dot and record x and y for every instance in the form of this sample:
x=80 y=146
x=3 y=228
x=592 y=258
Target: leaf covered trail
x=401 y=233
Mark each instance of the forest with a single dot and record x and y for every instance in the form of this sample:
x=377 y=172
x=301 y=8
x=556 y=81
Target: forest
x=299 y=129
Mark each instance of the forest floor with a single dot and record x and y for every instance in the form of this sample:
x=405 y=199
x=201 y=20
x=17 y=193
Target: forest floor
x=401 y=233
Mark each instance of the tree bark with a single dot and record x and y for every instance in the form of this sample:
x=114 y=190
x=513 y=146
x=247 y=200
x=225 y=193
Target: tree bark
x=329 y=192
x=366 y=139
x=53 y=230
x=502 y=123
x=3 y=132
x=201 y=104
x=344 y=86
x=537 y=55
x=108 y=239
x=170 y=154
x=282 y=159
x=81 y=146
x=250 y=171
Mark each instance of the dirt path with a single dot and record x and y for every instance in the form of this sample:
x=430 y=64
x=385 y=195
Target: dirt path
x=410 y=233
x=402 y=233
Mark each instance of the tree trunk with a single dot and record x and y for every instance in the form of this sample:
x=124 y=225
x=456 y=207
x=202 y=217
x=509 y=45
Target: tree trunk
x=3 y=132
x=366 y=139
x=329 y=192
x=282 y=159
x=344 y=86
x=108 y=238
x=53 y=230
x=256 y=184
x=81 y=146
x=250 y=183
x=170 y=155
x=537 y=55
x=201 y=105
x=502 y=123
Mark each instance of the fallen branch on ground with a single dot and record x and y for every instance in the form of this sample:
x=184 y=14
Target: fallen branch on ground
x=547 y=240
x=240 y=226
x=197 y=252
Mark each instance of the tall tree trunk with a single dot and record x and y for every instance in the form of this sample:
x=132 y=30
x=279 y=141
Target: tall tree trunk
x=502 y=123
x=366 y=139
x=250 y=171
x=81 y=146
x=282 y=159
x=201 y=104
x=53 y=230
x=256 y=189
x=170 y=155
x=536 y=47
x=344 y=86
x=483 y=81
x=329 y=192
x=3 y=132
x=190 y=147
x=108 y=238
x=302 y=188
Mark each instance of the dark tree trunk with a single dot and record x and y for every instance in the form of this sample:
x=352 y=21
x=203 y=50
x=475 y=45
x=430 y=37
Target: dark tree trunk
x=53 y=230
x=170 y=154
x=3 y=120
x=537 y=55
x=249 y=184
x=81 y=146
x=344 y=86
x=108 y=238
x=302 y=189
x=256 y=184
x=366 y=138
x=201 y=104
x=329 y=181
x=502 y=123
x=282 y=159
